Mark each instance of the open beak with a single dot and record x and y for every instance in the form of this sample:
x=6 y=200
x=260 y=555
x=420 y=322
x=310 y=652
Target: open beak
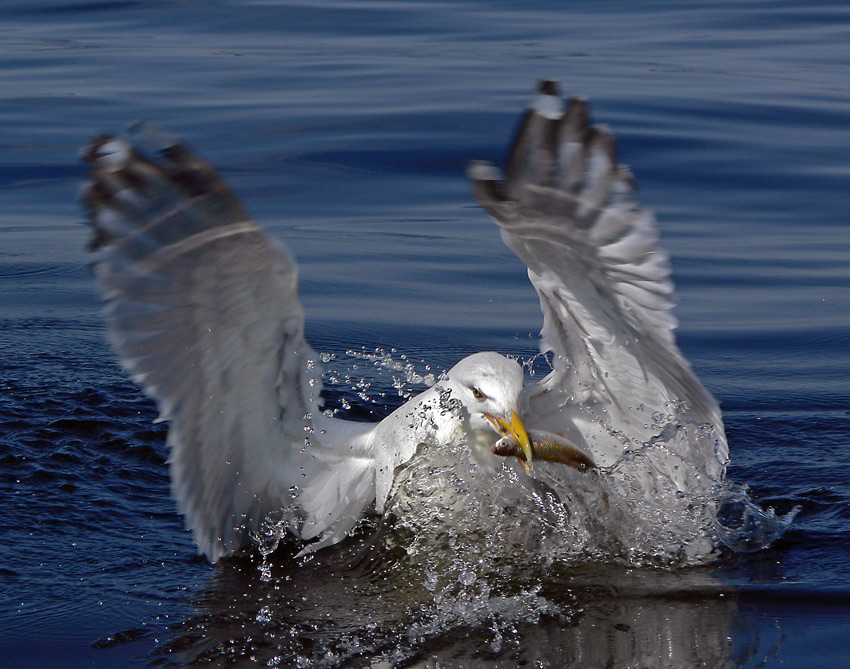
x=515 y=430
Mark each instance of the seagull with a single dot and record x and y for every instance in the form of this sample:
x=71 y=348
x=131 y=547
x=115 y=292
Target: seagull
x=203 y=311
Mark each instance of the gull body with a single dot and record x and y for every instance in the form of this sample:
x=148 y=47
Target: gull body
x=360 y=471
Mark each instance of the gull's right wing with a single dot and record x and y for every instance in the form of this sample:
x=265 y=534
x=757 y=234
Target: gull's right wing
x=203 y=310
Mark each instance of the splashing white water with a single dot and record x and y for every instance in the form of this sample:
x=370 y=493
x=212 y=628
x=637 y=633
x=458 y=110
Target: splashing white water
x=370 y=383
x=658 y=505
x=743 y=525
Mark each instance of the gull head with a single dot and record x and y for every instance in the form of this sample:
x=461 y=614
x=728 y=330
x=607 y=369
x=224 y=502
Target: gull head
x=489 y=386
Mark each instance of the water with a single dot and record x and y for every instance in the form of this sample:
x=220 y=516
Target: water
x=345 y=128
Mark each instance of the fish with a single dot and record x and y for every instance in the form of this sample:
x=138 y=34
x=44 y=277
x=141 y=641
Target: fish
x=546 y=446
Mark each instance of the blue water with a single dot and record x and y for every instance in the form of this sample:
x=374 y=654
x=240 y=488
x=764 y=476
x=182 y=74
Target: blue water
x=345 y=127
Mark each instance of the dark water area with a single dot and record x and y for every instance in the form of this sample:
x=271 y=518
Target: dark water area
x=345 y=127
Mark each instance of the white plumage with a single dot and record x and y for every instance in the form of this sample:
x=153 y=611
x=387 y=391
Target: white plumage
x=203 y=309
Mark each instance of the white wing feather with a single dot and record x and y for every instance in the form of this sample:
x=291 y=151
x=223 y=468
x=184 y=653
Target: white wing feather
x=569 y=211
x=204 y=312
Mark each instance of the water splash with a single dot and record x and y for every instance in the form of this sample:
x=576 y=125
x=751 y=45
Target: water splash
x=489 y=555
x=388 y=375
x=471 y=546
x=743 y=525
x=410 y=376
x=479 y=610
x=663 y=503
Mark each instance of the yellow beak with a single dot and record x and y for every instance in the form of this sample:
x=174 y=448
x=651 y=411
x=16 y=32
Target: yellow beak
x=515 y=429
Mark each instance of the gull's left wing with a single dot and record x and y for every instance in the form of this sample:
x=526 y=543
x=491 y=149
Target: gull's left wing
x=570 y=212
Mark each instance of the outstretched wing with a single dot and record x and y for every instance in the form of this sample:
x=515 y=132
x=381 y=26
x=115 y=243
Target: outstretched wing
x=570 y=212
x=204 y=312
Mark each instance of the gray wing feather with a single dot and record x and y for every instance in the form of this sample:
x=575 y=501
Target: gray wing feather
x=204 y=312
x=570 y=212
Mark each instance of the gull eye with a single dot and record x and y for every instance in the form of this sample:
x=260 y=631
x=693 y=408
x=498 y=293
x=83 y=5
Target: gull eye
x=477 y=394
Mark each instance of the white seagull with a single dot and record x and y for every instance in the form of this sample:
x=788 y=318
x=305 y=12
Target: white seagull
x=203 y=311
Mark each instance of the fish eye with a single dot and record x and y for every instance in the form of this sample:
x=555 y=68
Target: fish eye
x=477 y=394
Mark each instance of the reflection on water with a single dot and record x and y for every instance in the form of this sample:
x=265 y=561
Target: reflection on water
x=353 y=606
x=350 y=604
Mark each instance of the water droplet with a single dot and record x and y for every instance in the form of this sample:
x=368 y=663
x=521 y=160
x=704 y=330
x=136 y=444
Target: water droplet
x=431 y=579
x=264 y=615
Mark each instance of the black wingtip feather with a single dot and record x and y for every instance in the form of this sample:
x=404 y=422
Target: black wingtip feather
x=549 y=87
